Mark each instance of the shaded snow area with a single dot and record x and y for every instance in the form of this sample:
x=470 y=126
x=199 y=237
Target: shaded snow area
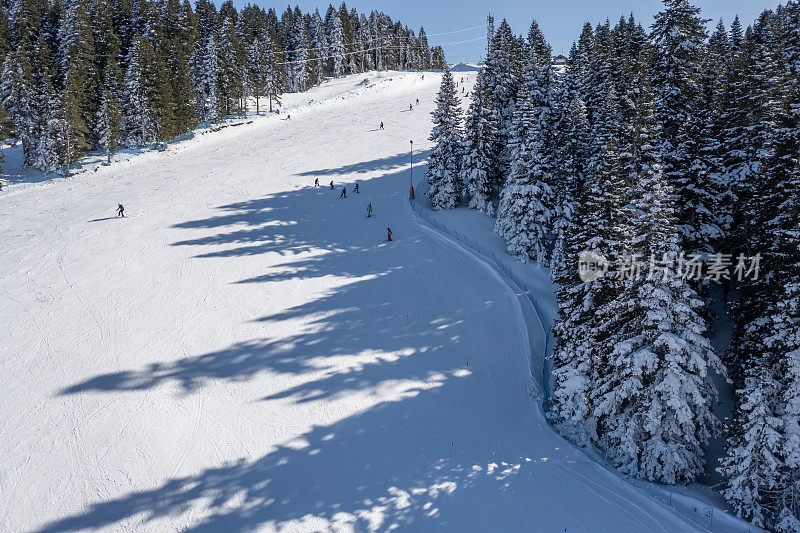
x=244 y=351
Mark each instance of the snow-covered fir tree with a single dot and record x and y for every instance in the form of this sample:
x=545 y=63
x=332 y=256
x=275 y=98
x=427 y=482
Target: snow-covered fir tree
x=205 y=79
x=77 y=62
x=578 y=355
x=109 y=123
x=503 y=72
x=572 y=154
x=297 y=53
x=319 y=39
x=140 y=123
x=654 y=395
x=479 y=165
x=334 y=33
x=51 y=126
x=445 y=161
x=527 y=207
x=678 y=35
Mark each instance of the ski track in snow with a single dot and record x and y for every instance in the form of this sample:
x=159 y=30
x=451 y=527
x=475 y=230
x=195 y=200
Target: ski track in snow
x=246 y=352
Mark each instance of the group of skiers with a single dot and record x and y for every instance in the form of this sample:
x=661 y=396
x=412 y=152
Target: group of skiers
x=466 y=95
x=343 y=194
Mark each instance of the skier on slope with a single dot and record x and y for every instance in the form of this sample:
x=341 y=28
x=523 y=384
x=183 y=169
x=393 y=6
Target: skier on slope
x=120 y=211
x=410 y=107
x=331 y=184
x=369 y=210
x=389 y=230
x=381 y=125
x=356 y=188
x=316 y=182
x=344 y=193
x=417 y=101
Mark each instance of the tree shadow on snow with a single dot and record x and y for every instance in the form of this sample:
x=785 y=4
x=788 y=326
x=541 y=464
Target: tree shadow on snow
x=413 y=459
x=396 y=164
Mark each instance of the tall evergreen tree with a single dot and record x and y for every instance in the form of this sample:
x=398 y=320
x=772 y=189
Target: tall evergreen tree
x=480 y=156
x=444 y=164
x=527 y=207
x=679 y=36
x=77 y=62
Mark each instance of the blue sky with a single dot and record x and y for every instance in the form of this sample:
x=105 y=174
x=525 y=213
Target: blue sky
x=560 y=20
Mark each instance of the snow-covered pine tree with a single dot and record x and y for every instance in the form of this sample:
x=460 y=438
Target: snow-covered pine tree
x=444 y=163
x=296 y=52
x=140 y=120
x=437 y=58
x=205 y=76
x=50 y=126
x=17 y=90
x=181 y=30
x=679 y=37
x=503 y=74
x=653 y=398
x=527 y=207
x=572 y=152
x=335 y=38
x=424 y=51
x=231 y=62
x=109 y=123
x=272 y=88
x=320 y=42
x=257 y=66
x=6 y=122
x=578 y=355
x=480 y=157
x=763 y=459
x=347 y=39
x=77 y=63
x=365 y=45
x=761 y=465
x=718 y=56
x=355 y=63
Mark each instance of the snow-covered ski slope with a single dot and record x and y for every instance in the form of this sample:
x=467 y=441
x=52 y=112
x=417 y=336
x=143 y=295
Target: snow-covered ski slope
x=246 y=352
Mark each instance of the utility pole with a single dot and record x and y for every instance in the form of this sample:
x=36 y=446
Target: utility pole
x=489 y=32
x=411 y=189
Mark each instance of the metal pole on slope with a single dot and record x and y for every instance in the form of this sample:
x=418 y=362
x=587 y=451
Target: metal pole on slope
x=411 y=189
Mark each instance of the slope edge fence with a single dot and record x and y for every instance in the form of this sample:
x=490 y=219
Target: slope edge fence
x=695 y=510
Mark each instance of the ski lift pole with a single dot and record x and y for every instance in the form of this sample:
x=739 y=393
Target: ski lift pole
x=411 y=184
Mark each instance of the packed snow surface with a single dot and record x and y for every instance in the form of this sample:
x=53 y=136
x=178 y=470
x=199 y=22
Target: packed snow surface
x=244 y=351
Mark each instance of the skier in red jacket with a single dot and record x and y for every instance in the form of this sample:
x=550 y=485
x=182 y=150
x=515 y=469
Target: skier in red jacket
x=389 y=230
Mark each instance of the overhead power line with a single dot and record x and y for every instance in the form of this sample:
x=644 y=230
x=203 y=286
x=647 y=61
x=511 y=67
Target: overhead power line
x=379 y=47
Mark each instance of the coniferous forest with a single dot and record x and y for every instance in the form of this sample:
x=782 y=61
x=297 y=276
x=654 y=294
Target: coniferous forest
x=80 y=75
x=673 y=152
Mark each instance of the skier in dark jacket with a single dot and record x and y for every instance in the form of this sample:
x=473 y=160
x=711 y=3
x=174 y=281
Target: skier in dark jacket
x=369 y=210
x=331 y=184
x=120 y=211
x=389 y=231
x=417 y=101
x=355 y=189
x=381 y=125
x=316 y=182
x=344 y=193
